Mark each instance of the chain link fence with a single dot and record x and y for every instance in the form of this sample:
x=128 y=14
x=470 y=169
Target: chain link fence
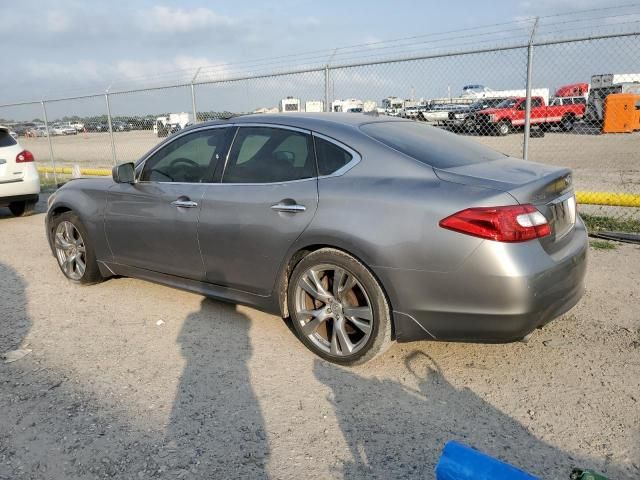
x=579 y=99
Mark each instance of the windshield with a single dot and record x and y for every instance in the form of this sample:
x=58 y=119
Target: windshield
x=429 y=145
x=508 y=103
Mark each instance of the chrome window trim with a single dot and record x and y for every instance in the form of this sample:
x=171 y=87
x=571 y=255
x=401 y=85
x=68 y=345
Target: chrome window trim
x=161 y=145
x=355 y=156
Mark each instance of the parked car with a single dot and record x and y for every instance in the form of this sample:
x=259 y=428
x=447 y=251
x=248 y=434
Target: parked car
x=97 y=127
x=439 y=113
x=409 y=112
x=463 y=118
x=56 y=130
x=118 y=126
x=486 y=248
x=37 y=131
x=19 y=180
x=510 y=114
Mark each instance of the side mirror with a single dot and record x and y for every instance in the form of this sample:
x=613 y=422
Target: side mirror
x=124 y=173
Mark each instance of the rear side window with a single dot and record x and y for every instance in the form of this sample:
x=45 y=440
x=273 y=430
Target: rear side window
x=6 y=140
x=430 y=145
x=330 y=157
x=269 y=155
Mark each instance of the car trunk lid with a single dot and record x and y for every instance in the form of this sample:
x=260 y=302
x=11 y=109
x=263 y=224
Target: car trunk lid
x=547 y=187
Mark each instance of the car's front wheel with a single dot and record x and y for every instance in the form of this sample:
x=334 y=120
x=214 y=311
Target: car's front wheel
x=338 y=308
x=76 y=257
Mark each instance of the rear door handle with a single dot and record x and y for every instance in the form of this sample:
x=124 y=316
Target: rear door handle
x=184 y=203
x=285 y=207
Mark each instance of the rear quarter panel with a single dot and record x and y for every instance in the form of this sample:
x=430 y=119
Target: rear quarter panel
x=386 y=211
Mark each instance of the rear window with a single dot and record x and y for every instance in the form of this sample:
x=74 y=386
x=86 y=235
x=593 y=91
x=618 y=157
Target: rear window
x=430 y=145
x=6 y=140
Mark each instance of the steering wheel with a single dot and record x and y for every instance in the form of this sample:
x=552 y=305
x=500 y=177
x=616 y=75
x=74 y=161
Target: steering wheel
x=185 y=169
x=186 y=161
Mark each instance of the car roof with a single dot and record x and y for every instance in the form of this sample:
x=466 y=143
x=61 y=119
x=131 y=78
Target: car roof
x=307 y=121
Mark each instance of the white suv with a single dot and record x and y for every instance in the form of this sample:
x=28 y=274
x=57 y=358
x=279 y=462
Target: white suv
x=19 y=180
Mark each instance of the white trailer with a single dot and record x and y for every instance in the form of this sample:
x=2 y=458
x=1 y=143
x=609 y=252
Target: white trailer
x=289 y=104
x=171 y=123
x=314 y=106
x=369 y=106
x=610 y=79
x=347 y=105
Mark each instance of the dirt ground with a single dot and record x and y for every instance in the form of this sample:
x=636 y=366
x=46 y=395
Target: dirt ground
x=600 y=162
x=128 y=379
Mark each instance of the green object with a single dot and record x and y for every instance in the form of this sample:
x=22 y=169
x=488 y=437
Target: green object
x=579 y=474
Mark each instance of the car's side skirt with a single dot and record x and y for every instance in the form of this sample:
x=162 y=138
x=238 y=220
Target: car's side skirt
x=265 y=303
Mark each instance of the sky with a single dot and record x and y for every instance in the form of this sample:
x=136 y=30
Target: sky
x=59 y=48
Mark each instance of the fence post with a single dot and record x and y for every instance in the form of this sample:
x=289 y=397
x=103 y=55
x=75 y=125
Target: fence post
x=113 y=144
x=193 y=96
x=327 y=107
x=51 y=157
x=527 y=114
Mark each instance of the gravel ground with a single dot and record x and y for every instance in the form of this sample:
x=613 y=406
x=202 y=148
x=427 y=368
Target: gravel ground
x=128 y=379
x=600 y=162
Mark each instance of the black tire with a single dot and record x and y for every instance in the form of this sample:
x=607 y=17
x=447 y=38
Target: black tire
x=503 y=128
x=381 y=330
x=23 y=208
x=92 y=272
x=566 y=124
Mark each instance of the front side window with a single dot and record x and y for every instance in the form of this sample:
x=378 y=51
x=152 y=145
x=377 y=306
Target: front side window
x=330 y=156
x=189 y=159
x=269 y=155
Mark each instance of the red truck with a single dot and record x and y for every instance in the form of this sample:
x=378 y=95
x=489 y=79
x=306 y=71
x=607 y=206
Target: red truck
x=509 y=115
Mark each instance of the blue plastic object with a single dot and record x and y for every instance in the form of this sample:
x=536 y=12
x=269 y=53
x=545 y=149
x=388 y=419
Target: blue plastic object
x=459 y=462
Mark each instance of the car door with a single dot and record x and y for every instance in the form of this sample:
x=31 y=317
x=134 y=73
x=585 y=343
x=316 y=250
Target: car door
x=267 y=196
x=153 y=224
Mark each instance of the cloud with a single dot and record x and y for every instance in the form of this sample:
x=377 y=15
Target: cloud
x=88 y=70
x=57 y=22
x=178 y=20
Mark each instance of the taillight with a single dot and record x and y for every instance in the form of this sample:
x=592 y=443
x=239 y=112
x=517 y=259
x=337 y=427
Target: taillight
x=513 y=223
x=24 y=157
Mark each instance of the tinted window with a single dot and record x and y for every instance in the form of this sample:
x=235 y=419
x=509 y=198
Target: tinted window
x=6 y=140
x=190 y=158
x=430 y=145
x=330 y=156
x=268 y=155
x=536 y=102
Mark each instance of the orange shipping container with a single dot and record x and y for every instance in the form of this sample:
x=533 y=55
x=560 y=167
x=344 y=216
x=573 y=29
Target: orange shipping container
x=621 y=113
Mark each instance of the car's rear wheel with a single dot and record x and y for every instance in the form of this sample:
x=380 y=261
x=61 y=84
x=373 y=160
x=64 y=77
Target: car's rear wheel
x=338 y=308
x=23 y=208
x=76 y=257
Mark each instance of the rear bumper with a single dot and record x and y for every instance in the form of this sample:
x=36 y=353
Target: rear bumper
x=500 y=294
x=26 y=189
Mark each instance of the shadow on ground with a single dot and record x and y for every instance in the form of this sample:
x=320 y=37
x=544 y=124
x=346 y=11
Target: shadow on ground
x=54 y=426
x=395 y=431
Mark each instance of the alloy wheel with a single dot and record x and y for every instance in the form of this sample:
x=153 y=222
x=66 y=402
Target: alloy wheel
x=333 y=310
x=70 y=250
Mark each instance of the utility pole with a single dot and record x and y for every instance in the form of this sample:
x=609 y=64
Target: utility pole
x=527 y=114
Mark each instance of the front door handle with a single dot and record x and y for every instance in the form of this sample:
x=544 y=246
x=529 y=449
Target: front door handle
x=184 y=203
x=287 y=207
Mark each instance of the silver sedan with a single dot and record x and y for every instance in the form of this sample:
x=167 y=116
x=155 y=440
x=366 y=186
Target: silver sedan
x=361 y=229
